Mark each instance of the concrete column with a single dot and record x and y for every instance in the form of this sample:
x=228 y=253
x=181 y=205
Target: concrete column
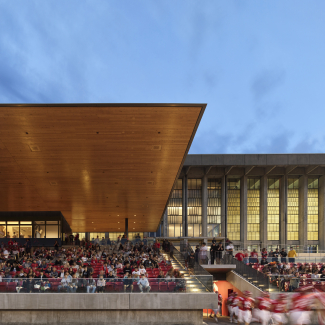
x=205 y=206
x=321 y=213
x=224 y=206
x=126 y=231
x=263 y=211
x=283 y=209
x=303 y=197
x=243 y=211
x=184 y=207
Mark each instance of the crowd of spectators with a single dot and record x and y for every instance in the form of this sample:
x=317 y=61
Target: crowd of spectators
x=90 y=268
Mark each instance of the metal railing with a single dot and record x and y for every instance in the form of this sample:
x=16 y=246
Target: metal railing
x=195 y=269
x=255 y=277
x=90 y=285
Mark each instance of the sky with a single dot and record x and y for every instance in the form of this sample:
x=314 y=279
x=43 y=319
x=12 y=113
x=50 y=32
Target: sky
x=259 y=65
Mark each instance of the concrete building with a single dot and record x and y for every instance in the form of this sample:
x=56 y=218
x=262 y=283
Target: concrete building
x=255 y=200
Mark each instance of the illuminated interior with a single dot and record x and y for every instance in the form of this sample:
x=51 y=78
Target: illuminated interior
x=312 y=207
x=293 y=209
x=233 y=209
x=253 y=209
x=273 y=209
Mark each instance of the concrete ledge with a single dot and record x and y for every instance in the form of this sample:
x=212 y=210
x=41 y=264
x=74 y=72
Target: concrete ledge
x=112 y=317
x=107 y=301
x=175 y=301
x=64 y=301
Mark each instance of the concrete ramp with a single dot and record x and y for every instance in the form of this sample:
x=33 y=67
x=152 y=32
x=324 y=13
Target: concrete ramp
x=242 y=284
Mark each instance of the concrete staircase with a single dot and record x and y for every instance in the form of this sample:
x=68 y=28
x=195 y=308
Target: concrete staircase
x=193 y=283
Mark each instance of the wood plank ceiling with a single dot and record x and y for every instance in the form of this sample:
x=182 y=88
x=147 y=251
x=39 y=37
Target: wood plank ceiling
x=98 y=163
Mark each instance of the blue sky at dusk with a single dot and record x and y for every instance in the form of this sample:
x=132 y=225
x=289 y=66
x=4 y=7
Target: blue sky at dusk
x=259 y=65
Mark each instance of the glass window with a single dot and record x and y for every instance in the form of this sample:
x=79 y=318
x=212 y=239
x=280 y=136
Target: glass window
x=312 y=226
x=214 y=230
x=13 y=231
x=174 y=210
x=194 y=205
x=171 y=231
x=253 y=209
x=273 y=209
x=2 y=231
x=26 y=231
x=214 y=204
x=39 y=229
x=93 y=235
x=233 y=209
x=293 y=209
x=178 y=230
x=52 y=231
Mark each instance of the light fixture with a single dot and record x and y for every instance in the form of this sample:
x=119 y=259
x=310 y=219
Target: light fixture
x=134 y=222
x=133 y=228
x=118 y=215
x=119 y=228
x=118 y=222
x=135 y=215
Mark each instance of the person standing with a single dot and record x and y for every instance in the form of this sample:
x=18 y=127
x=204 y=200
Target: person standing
x=283 y=255
x=229 y=252
x=213 y=252
x=203 y=254
x=220 y=249
x=292 y=255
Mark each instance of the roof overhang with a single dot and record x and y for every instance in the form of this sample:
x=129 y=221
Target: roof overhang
x=96 y=163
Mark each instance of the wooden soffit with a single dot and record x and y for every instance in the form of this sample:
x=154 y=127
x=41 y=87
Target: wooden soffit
x=96 y=163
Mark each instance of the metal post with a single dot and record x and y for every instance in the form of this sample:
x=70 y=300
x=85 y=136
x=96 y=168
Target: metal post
x=126 y=231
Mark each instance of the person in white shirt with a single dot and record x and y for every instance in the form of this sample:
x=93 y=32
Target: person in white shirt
x=229 y=252
x=142 y=270
x=136 y=273
x=203 y=254
x=143 y=284
x=5 y=253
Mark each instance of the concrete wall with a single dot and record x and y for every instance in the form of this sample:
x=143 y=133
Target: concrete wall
x=241 y=284
x=117 y=308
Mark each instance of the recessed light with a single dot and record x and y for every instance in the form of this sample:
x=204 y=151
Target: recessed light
x=133 y=228
x=135 y=215
x=119 y=228
x=134 y=222
x=118 y=215
x=92 y=222
x=118 y=222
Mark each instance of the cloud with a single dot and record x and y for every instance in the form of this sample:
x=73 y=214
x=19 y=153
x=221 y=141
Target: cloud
x=267 y=81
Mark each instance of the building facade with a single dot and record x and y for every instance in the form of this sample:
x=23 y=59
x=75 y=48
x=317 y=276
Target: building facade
x=254 y=200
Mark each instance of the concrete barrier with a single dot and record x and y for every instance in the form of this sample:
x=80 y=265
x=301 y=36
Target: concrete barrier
x=115 y=309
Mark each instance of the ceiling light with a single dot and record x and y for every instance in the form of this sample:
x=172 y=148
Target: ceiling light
x=118 y=222
x=92 y=222
x=135 y=215
x=133 y=228
x=134 y=222
x=118 y=215
x=119 y=228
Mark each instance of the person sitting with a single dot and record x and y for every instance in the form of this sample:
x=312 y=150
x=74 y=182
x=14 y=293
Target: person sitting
x=143 y=284
x=180 y=284
x=64 y=283
x=100 y=284
x=73 y=285
x=91 y=287
x=128 y=282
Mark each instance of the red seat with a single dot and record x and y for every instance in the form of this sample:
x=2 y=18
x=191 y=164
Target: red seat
x=12 y=286
x=171 y=286
x=3 y=286
x=109 y=286
x=136 y=287
x=119 y=287
x=163 y=287
x=154 y=286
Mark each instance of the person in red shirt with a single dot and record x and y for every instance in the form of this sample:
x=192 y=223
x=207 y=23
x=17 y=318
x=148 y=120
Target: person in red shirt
x=254 y=257
x=240 y=256
x=261 y=312
x=245 y=308
x=279 y=309
x=301 y=304
x=230 y=304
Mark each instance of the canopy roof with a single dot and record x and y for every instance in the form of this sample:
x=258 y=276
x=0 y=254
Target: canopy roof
x=96 y=163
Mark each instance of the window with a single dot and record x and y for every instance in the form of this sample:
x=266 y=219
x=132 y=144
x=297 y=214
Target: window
x=312 y=206
x=214 y=208
x=293 y=209
x=39 y=229
x=253 y=209
x=273 y=209
x=233 y=209
x=93 y=235
x=194 y=206
x=25 y=229
x=52 y=229
x=174 y=210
